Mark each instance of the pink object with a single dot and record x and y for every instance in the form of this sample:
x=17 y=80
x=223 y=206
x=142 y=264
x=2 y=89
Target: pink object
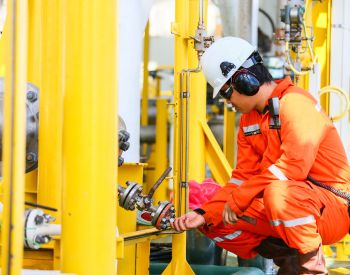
x=201 y=192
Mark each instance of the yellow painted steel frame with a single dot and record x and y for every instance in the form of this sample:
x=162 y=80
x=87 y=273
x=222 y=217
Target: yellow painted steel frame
x=90 y=149
x=14 y=136
x=216 y=159
x=127 y=222
x=229 y=136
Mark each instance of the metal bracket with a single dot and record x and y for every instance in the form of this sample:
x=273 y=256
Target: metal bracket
x=120 y=248
x=185 y=94
x=179 y=30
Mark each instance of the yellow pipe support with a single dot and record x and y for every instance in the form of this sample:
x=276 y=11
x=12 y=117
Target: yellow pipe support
x=145 y=89
x=51 y=107
x=14 y=137
x=126 y=222
x=142 y=257
x=229 y=135
x=90 y=149
x=216 y=159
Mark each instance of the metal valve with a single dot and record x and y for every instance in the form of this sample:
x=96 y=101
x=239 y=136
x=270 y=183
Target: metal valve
x=131 y=197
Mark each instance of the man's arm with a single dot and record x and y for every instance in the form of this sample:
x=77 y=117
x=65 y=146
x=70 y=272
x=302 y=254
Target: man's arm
x=303 y=128
x=248 y=164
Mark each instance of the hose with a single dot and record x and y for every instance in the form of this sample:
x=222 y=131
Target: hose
x=313 y=56
x=337 y=90
x=290 y=64
x=312 y=53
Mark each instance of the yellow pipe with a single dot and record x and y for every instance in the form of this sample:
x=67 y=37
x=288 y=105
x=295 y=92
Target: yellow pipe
x=34 y=41
x=90 y=148
x=51 y=107
x=178 y=264
x=14 y=137
x=186 y=21
x=145 y=90
x=197 y=103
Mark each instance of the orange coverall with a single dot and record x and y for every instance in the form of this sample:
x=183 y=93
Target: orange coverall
x=269 y=183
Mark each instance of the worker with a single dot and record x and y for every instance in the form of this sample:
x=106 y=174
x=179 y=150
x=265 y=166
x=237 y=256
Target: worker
x=288 y=193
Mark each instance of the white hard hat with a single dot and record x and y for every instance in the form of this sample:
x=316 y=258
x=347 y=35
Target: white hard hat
x=223 y=58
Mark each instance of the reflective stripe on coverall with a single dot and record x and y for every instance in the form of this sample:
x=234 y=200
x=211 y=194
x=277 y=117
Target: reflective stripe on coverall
x=302 y=214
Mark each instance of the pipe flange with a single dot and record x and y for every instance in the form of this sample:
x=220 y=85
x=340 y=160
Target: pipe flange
x=163 y=216
x=31 y=222
x=130 y=195
x=32 y=124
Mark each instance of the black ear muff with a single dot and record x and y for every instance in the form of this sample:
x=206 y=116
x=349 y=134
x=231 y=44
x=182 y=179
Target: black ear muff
x=246 y=83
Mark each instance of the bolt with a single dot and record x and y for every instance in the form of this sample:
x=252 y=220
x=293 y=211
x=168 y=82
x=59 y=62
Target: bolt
x=38 y=219
x=152 y=214
x=49 y=218
x=31 y=157
x=128 y=183
x=120 y=161
x=32 y=96
x=40 y=239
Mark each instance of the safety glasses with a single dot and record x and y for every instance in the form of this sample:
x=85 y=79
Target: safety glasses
x=226 y=94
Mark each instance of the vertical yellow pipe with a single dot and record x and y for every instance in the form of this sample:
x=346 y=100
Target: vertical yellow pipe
x=178 y=264
x=186 y=21
x=145 y=89
x=14 y=137
x=34 y=41
x=197 y=103
x=51 y=107
x=90 y=148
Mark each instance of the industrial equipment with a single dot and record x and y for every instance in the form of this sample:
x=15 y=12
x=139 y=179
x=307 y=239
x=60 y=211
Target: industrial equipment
x=130 y=197
x=295 y=36
x=32 y=124
x=38 y=229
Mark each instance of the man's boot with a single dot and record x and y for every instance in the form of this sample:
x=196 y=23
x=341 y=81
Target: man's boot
x=283 y=256
x=312 y=262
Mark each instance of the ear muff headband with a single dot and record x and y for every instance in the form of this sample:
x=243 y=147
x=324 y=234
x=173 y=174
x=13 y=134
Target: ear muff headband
x=245 y=82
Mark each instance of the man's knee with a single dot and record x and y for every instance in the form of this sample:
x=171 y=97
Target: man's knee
x=275 y=195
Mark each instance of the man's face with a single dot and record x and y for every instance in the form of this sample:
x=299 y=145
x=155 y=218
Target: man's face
x=242 y=103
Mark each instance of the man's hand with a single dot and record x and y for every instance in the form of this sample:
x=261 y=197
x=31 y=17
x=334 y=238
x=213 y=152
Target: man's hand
x=228 y=216
x=188 y=221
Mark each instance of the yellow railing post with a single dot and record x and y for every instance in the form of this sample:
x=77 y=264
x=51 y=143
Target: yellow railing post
x=145 y=88
x=229 y=136
x=14 y=137
x=90 y=149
